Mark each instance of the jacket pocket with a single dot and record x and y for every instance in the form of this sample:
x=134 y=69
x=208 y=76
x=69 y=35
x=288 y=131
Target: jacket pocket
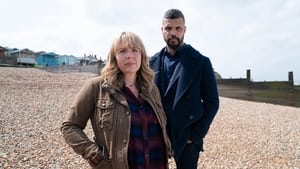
x=105 y=113
x=105 y=163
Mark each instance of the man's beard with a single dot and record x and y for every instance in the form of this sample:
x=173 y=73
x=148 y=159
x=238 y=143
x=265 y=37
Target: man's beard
x=174 y=46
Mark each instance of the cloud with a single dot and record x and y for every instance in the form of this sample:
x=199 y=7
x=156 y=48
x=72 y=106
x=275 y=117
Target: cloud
x=261 y=35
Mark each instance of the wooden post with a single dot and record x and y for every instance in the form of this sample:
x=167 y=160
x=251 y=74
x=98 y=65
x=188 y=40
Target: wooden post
x=249 y=83
x=291 y=87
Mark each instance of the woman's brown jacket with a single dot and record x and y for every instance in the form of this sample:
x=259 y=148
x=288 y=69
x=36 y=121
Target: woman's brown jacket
x=110 y=118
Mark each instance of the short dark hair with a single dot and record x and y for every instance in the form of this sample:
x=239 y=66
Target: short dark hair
x=174 y=14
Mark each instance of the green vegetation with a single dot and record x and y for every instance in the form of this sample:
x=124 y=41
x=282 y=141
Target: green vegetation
x=273 y=92
x=282 y=97
x=9 y=65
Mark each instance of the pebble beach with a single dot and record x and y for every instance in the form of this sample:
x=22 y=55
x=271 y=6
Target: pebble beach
x=33 y=104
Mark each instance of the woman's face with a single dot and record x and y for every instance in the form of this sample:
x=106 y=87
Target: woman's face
x=128 y=59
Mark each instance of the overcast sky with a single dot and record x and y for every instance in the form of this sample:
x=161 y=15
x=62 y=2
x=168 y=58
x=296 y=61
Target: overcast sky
x=261 y=35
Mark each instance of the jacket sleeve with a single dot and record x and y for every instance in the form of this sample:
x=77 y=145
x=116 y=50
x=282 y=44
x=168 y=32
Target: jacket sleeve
x=80 y=111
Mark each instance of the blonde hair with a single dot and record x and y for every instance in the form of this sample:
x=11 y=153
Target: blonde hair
x=112 y=73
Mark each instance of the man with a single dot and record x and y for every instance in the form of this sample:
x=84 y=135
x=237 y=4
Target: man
x=188 y=89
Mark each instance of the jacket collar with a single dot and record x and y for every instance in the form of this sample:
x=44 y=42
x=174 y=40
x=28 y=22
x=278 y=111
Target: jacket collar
x=116 y=93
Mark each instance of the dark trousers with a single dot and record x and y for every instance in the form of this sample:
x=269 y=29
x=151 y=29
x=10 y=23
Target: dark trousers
x=189 y=157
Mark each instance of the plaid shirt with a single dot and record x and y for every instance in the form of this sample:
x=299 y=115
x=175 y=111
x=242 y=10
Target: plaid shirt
x=146 y=145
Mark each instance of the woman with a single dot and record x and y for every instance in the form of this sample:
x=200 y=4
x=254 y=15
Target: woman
x=125 y=110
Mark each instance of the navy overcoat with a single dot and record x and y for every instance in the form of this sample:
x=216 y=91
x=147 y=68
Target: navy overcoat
x=196 y=100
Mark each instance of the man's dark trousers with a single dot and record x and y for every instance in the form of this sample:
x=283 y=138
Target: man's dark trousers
x=189 y=157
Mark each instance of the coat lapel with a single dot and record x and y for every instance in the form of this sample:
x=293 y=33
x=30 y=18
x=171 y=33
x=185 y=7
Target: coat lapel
x=157 y=67
x=183 y=75
x=174 y=77
x=186 y=73
x=184 y=81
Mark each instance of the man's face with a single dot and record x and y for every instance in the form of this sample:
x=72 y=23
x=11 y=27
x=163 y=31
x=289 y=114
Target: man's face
x=173 y=32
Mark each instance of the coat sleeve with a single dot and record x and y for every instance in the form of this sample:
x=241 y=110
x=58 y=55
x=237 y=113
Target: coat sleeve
x=80 y=111
x=210 y=100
